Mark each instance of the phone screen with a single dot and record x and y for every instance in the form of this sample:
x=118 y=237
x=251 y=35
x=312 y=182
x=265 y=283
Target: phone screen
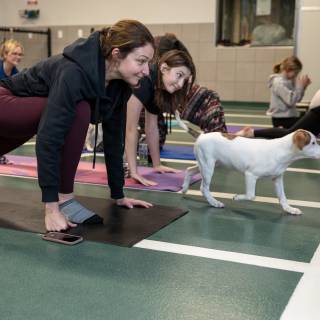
x=69 y=238
x=57 y=236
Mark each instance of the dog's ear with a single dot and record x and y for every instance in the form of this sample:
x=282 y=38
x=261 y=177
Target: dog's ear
x=301 y=138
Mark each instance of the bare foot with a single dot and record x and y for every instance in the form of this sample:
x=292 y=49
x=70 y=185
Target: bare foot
x=246 y=132
x=54 y=219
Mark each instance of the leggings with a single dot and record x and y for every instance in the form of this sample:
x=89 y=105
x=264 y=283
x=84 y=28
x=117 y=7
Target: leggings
x=310 y=121
x=19 y=120
x=285 y=123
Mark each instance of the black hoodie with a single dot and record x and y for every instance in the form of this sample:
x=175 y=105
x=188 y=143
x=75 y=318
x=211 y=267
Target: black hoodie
x=78 y=74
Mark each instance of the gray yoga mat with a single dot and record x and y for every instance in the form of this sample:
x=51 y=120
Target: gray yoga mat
x=22 y=210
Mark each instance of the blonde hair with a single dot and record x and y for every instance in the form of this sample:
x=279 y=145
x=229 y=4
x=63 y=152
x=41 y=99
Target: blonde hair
x=288 y=64
x=8 y=47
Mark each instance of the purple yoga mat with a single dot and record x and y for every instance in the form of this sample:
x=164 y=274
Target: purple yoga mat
x=27 y=167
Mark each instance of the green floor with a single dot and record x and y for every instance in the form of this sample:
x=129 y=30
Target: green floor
x=41 y=280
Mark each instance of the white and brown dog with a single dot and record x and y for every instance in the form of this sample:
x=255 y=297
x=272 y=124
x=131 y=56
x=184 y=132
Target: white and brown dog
x=256 y=158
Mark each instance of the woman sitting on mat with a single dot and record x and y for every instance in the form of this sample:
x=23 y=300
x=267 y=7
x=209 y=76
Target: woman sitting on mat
x=57 y=98
x=11 y=53
x=310 y=121
x=171 y=77
x=286 y=90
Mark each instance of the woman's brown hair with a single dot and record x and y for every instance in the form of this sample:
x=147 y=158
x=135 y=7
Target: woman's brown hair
x=126 y=35
x=288 y=64
x=168 y=42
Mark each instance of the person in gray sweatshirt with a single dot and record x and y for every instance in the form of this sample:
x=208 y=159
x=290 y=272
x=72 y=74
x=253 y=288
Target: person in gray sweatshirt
x=287 y=88
x=310 y=121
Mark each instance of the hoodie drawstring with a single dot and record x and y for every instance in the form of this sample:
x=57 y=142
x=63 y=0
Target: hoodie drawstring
x=96 y=123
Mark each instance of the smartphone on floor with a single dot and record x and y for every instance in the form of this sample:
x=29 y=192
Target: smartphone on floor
x=65 y=238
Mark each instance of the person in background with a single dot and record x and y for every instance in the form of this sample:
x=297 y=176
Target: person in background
x=90 y=81
x=310 y=121
x=11 y=53
x=287 y=88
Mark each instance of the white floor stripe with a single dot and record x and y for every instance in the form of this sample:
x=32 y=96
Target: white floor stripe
x=304 y=303
x=241 y=115
x=257 y=125
x=243 y=258
x=179 y=161
x=15 y=176
x=303 y=170
x=186 y=143
x=300 y=203
x=178 y=131
x=88 y=155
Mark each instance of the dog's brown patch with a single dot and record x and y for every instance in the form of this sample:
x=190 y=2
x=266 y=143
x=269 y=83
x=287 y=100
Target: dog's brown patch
x=301 y=138
x=229 y=136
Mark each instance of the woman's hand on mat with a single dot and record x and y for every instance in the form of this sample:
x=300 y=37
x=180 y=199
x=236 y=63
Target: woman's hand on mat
x=54 y=219
x=142 y=180
x=164 y=169
x=130 y=203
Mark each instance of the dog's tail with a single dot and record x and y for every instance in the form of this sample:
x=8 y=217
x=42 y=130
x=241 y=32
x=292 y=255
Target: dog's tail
x=195 y=133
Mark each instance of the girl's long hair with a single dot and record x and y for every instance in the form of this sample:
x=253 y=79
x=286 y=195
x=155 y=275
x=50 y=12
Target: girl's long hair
x=172 y=51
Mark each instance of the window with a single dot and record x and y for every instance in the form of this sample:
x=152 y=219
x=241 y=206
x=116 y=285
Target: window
x=255 y=22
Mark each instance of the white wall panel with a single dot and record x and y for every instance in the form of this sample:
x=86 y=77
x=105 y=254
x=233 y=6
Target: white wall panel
x=308 y=45
x=100 y=12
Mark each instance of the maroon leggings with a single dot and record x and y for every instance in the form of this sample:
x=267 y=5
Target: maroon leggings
x=19 y=119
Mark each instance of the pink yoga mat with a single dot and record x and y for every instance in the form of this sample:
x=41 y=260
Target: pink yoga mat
x=27 y=167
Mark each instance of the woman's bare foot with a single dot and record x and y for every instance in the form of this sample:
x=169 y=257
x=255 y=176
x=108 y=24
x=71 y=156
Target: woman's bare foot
x=246 y=132
x=54 y=219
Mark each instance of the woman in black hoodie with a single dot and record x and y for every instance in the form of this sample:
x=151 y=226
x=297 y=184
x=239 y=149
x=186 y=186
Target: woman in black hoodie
x=57 y=98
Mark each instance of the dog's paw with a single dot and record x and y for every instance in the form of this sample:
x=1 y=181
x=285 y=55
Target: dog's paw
x=184 y=188
x=239 y=197
x=294 y=211
x=186 y=184
x=217 y=204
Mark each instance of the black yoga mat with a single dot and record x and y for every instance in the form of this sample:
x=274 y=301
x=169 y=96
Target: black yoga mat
x=22 y=210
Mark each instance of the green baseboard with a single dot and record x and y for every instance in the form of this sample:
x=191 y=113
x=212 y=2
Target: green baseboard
x=245 y=104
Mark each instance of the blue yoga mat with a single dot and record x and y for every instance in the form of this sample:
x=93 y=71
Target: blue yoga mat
x=186 y=153
x=177 y=152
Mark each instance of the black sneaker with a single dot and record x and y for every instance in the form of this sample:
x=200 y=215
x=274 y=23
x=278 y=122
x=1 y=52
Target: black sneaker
x=4 y=160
